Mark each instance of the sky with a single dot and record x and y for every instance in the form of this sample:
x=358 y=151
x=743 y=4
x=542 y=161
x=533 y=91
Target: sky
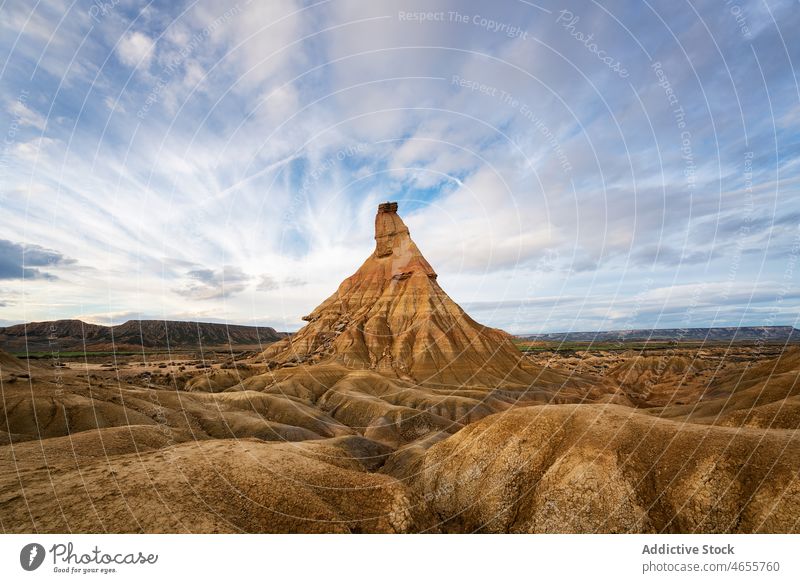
x=563 y=166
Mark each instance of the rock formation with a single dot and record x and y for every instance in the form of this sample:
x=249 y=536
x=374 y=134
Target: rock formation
x=75 y=335
x=610 y=469
x=394 y=411
x=11 y=366
x=392 y=316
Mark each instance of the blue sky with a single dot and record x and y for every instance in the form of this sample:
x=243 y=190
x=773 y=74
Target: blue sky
x=564 y=166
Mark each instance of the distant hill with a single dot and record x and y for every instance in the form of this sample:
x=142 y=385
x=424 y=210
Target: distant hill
x=75 y=335
x=729 y=334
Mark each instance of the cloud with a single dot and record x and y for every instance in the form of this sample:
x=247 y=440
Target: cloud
x=25 y=115
x=688 y=305
x=556 y=177
x=279 y=103
x=18 y=261
x=582 y=264
x=269 y=283
x=666 y=255
x=294 y=282
x=113 y=105
x=135 y=50
x=211 y=284
x=33 y=150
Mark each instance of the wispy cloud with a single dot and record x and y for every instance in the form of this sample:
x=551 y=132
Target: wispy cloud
x=135 y=49
x=269 y=283
x=249 y=143
x=211 y=284
x=25 y=115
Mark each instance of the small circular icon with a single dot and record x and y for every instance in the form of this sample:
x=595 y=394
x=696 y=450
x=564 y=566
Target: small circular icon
x=31 y=556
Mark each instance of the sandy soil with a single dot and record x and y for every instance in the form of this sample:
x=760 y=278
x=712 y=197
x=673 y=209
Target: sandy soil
x=678 y=440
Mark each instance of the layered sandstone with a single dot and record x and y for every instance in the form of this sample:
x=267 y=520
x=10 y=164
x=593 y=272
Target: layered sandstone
x=394 y=411
x=392 y=316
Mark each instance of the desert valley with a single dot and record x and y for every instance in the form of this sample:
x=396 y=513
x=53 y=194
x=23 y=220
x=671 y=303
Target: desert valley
x=394 y=411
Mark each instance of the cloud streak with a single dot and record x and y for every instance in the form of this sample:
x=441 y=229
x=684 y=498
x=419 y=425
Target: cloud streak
x=211 y=284
x=250 y=143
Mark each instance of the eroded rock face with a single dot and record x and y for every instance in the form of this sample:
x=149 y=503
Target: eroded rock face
x=10 y=365
x=393 y=317
x=207 y=486
x=605 y=468
x=394 y=411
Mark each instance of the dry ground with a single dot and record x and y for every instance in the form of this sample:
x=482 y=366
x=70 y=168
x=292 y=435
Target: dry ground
x=671 y=440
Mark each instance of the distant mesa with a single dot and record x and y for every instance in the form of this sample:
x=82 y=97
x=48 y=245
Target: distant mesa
x=75 y=335
x=716 y=334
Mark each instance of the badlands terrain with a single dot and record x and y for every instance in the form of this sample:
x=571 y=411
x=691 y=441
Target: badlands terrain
x=394 y=411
